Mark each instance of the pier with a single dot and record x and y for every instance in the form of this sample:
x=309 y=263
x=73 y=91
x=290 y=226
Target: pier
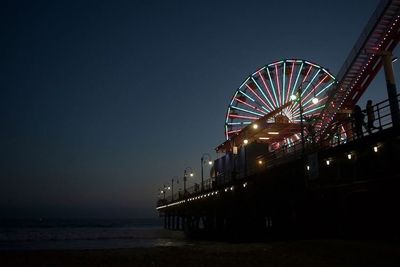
x=331 y=179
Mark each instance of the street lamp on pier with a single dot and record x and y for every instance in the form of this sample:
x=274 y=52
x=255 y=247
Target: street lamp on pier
x=187 y=172
x=205 y=158
x=172 y=189
x=299 y=98
x=174 y=179
x=163 y=192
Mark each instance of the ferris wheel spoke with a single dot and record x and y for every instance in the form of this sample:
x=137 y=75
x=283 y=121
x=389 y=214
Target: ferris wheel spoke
x=310 y=110
x=317 y=94
x=306 y=99
x=268 y=90
x=319 y=83
x=283 y=81
x=254 y=93
x=272 y=86
x=297 y=78
x=325 y=88
x=246 y=95
x=309 y=99
x=278 y=84
x=238 y=123
x=310 y=83
x=251 y=106
x=306 y=76
x=290 y=82
x=247 y=111
x=270 y=106
x=242 y=117
x=233 y=131
x=292 y=109
x=307 y=107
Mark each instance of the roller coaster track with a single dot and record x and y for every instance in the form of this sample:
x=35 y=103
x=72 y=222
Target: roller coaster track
x=381 y=35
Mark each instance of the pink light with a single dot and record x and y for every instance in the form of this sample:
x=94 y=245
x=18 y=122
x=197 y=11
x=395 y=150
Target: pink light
x=277 y=82
x=308 y=72
x=257 y=96
x=244 y=102
x=290 y=82
x=243 y=117
x=247 y=104
x=312 y=104
x=309 y=93
x=265 y=85
x=234 y=131
x=315 y=87
x=295 y=106
x=322 y=80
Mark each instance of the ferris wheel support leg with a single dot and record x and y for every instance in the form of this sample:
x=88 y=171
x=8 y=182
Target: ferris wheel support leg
x=391 y=89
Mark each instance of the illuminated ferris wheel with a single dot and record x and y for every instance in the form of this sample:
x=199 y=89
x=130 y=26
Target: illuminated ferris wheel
x=274 y=85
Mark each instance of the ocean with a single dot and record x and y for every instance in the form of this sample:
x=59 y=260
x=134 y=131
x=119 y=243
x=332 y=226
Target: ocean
x=70 y=234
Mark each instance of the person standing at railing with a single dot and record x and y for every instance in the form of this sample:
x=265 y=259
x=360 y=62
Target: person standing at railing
x=370 y=117
x=358 y=118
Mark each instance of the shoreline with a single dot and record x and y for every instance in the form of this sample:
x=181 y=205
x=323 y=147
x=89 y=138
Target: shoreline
x=283 y=253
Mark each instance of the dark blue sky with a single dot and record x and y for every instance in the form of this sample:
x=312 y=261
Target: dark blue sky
x=103 y=102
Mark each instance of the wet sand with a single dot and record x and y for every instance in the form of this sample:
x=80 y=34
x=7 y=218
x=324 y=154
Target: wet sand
x=289 y=253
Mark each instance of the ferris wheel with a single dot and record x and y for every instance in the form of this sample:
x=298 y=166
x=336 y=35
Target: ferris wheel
x=272 y=87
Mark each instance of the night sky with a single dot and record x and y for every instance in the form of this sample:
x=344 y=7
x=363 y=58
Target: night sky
x=103 y=102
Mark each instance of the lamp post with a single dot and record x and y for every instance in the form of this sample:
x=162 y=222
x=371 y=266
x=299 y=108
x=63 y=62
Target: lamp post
x=204 y=157
x=172 y=189
x=245 y=142
x=174 y=179
x=165 y=189
x=163 y=192
x=299 y=98
x=188 y=170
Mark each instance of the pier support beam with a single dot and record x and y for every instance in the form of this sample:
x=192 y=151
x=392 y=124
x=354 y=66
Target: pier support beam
x=178 y=222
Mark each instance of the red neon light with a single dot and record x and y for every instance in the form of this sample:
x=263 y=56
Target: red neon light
x=315 y=88
x=277 y=82
x=265 y=85
x=252 y=85
x=326 y=76
x=244 y=103
x=309 y=93
x=290 y=82
x=302 y=99
x=308 y=72
x=243 y=117
x=234 y=131
x=312 y=104
x=257 y=96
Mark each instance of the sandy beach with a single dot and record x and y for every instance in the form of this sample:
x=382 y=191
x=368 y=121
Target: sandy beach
x=289 y=253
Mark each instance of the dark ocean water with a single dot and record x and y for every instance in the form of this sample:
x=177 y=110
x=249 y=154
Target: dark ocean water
x=45 y=234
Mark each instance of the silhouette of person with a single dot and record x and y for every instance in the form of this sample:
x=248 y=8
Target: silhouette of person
x=358 y=118
x=370 y=117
